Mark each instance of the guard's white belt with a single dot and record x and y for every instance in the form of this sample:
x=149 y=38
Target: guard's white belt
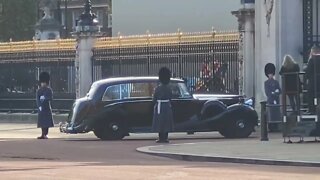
x=159 y=104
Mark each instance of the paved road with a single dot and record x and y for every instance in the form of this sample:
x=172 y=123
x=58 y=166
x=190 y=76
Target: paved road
x=85 y=157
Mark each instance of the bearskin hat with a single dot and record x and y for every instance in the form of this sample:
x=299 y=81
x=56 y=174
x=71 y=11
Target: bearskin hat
x=44 y=77
x=269 y=69
x=164 y=75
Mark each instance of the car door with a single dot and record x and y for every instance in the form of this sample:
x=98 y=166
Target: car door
x=186 y=109
x=131 y=103
x=139 y=106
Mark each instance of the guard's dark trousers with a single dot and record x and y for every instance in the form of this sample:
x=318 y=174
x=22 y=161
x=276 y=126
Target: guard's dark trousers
x=45 y=131
x=163 y=136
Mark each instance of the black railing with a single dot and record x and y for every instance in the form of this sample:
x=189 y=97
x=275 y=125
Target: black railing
x=27 y=103
x=311 y=30
x=208 y=62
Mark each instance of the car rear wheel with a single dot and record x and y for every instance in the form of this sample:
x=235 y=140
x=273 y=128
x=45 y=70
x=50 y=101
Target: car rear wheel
x=239 y=128
x=110 y=130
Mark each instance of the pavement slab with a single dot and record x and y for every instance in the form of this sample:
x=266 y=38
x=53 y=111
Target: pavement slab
x=273 y=152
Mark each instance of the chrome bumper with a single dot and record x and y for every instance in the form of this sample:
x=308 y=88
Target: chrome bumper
x=67 y=128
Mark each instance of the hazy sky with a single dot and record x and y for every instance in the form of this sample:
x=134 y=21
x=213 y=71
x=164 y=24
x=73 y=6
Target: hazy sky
x=138 y=16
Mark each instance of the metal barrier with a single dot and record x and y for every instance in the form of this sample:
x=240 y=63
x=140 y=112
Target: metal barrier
x=270 y=115
x=296 y=123
x=274 y=117
x=29 y=105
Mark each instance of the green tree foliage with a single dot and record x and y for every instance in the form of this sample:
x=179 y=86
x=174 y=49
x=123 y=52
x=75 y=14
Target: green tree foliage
x=17 y=19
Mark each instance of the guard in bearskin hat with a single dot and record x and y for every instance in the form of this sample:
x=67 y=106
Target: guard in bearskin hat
x=162 y=114
x=271 y=86
x=44 y=98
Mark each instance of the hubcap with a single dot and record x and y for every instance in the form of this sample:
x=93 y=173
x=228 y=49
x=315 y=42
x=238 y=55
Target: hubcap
x=241 y=124
x=115 y=127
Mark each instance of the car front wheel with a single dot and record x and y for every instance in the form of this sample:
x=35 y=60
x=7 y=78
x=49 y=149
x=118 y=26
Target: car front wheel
x=239 y=128
x=110 y=130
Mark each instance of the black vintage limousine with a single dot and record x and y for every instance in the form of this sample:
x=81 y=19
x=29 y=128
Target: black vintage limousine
x=115 y=107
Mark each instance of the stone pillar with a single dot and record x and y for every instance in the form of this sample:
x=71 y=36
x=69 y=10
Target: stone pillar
x=290 y=29
x=86 y=32
x=279 y=31
x=84 y=64
x=245 y=17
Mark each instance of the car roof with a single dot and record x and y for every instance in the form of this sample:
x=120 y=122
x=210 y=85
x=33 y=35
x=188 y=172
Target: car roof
x=132 y=79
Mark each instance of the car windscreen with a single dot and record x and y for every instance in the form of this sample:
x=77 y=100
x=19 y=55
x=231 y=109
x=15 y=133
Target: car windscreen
x=179 y=90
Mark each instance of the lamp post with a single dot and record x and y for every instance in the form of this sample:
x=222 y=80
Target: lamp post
x=86 y=32
x=1 y=12
x=66 y=18
x=1 y=8
x=58 y=12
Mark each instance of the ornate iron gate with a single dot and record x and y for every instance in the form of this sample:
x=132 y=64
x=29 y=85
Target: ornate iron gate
x=208 y=62
x=311 y=26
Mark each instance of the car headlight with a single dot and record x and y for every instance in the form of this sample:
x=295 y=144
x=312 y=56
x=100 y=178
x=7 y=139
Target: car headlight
x=250 y=102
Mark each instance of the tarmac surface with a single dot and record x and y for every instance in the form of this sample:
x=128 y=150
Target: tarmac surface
x=83 y=156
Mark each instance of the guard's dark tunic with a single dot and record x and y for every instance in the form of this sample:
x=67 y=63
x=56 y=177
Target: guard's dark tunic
x=44 y=97
x=270 y=87
x=162 y=114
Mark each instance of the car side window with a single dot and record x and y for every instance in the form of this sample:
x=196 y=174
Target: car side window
x=129 y=90
x=142 y=90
